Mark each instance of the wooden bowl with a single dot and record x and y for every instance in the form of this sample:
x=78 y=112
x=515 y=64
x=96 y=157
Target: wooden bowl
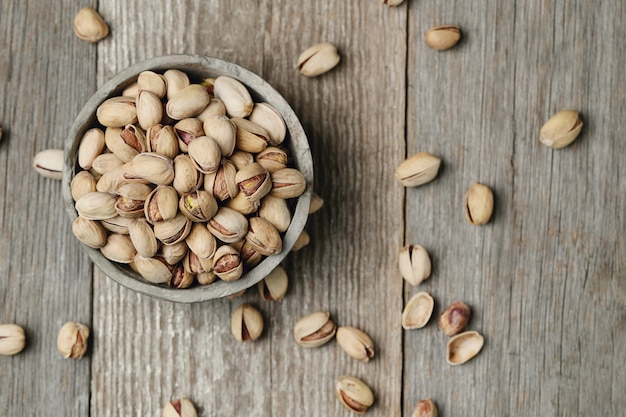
x=197 y=67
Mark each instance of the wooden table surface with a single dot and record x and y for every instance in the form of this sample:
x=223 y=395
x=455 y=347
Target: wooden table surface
x=545 y=278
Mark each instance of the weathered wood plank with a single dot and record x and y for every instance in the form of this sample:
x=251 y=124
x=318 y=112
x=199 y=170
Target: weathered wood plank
x=44 y=278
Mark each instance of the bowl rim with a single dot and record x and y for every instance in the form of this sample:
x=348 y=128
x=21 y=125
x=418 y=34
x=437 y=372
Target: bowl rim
x=206 y=66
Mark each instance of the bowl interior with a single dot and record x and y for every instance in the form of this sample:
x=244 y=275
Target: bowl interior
x=197 y=67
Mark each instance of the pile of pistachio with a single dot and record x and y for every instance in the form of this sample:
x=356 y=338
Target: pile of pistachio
x=185 y=182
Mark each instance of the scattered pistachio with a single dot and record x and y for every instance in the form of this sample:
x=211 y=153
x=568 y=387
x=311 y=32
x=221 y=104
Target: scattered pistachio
x=246 y=323
x=414 y=263
x=318 y=59
x=454 y=318
x=418 y=169
x=274 y=286
x=561 y=130
x=90 y=26
x=418 y=310
x=314 y=330
x=316 y=203
x=12 y=339
x=478 y=204
x=49 y=163
x=463 y=347
x=353 y=394
x=355 y=343
x=303 y=240
x=425 y=408
x=179 y=408
x=441 y=38
x=72 y=340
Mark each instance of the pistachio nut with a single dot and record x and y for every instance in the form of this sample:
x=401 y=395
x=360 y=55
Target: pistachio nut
x=208 y=84
x=131 y=91
x=463 y=347
x=249 y=256
x=181 y=278
x=125 y=143
x=119 y=248
x=154 y=168
x=263 y=237
x=152 y=82
x=198 y=206
x=131 y=200
x=288 y=183
x=227 y=263
x=173 y=254
x=414 y=263
x=353 y=394
x=89 y=232
x=143 y=238
x=418 y=169
x=392 y=3
x=355 y=343
x=454 y=318
x=425 y=408
x=12 y=339
x=240 y=159
x=49 y=163
x=223 y=131
x=205 y=154
x=244 y=206
x=179 y=408
x=254 y=181
x=274 y=286
x=196 y=265
x=161 y=204
x=314 y=330
x=276 y=211
x=441 y=38
x=154 y=269
x=221 y=183
x=97 y=206
x=215 y=106
x=318 y=59
x=117 y=224
x=228 y=225
x=149 y=109
x=201 y=241
x=561 y=129
x=73 y=339
x=186 y=176
x=246 y=323
x=478 y=204
x=106 y=162
x=175 y=81
x=269 y=119
x=82 y=183
x=316 y=203
x=172 y=231
x=187 y=130
x=117 y=112
x=303 y=240
x=89 y=25
x=188 y=102
x=417 y=311
x=234 y=95
x=250 y=137
x=112 y=180
x=91 y=145
x=272 y=159
x=162 y=140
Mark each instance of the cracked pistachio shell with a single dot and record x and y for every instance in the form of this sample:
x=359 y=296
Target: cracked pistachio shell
x=318 y=59
x=179 y=408
x=117 y=224
x=161 y=204
x=264 y=237
x=91 y=145
x=240 y=159
x=478 y=204
x=254 y=181
x=196 y=265
x=82 y=183
x=353 y=394
x=152 y=82
x=89 y=232
x=463 y=347
x=198 y=206
x=49 y=163
x=181 y=278
x=201 y=242
x=317 y=203
x=250 y=256
x=276 y=211
x=209 y=84
x=561 y=129
x=143 y=239
x=425 y=408
x=187 y=130
x=73 y=339
x=227 y=263
x=274 y=286
x=215 y=106
x=441 y=38
x=186 y=176
x=90 y=26
x=417 y=311
x=12 y=339
x=314 y=330
x=303 y=240
x=173 y=254
x=221 y=183
x=355 y=343
x=162 y=140
x=172 y=231
x=246 y=323
x=418 y=169
x=241 y=204
x=106 y=162
x=250 y=137
x=288 y=183
x=234 y=95
x=149 y=109
x=131 y=200
x=454 y=318
x=223 y=131
x=272 y=159
x=414 y=263
x=228 y=225
x=154 y=168
x=97 y=206
x=205 y=154
x=176 y=81
x=117 y=112
x=125 y=143
x=119 y=248
x=155 y=270
x=269 y=119
x=188 y=102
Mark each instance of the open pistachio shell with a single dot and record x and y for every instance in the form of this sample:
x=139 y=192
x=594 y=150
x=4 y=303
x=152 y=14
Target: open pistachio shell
x=463 y=347
x=205 y=154
x=172 y=231
x=223 y=131
x=228 y=225
x=274 y=286
x=89 y=232
x=414 y=263
x=269 y=119
x=263 y=237
x=201 y=241
x=355 y=343
x=161 y=204
x=155 y=270
x=119 y=248
x=227 y=263
x=142 y=236
x=314 y=330
x=353 y=394
x=418 y=311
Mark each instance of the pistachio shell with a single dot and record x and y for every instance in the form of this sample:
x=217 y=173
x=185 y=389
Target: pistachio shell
x=223 y=131
x=117 y=224
x=264 y=237
x=227 y=263
x=82 y=183
x=188 y=102
x=117 y=112
x=172 y=231
x=355 y=343
x=417 y=311
x=414 y=263
x=272 y=159
x=143 y=239
x=201 y=241
x=91 y=145
x=89 y=25
x=12 y=339
x=49 y=163
x=425 y=408
x=152 y=82
x=96 y=206
x=250 y=136
x=235 y=96
x=221 y=183
x=288 y=183
x=176 y=81
x=254 y=181
x=441 y=38
x=269 y=119
x=186 y=176
x=246 y=323
x=172 y=254
x=353 y=394
x=154 y=168
x=125 y=143
x=181 y=278
x=228 y=225
x=187 y=130
x=105 y=163
x=317 y=203
x=119 y=248
x=274 y=286
x=162 y=140
x=241 y=204
x=240 y=159
x=89 y=232
x=250 y=256
x=561 y=129
x=463 y=347
x=149 y=109
x=215 y=106
x=205 y=154
x=131 y=91
x=314 y=330
x=276 y=211
x=161 y=204
x=155 y=270
x=303 y=240
x=478 y=204
x=198 y=206
x=418 y=169
x=318 y=59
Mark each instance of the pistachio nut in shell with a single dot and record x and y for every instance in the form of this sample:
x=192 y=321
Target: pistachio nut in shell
x=73 y=339
x=234 y=95
x=356 y=343
x=417 y=311
x=179 y=408
x=227 y=263
x=454 y=318
x=414 y=263
x=250 y=137
x=254 y=181
x=246 y=323
x=186 y=176
x=198 y=206
x=463 y=347
x=205 y=154
x=181 y=278
x=353 y=394
x=222 y=183
x=187 y=130
x=223 y=131
x=276 y=211
x=172 y=254
x=188 y=102
x=161 y=204
x=303 y=240
x=131 y=200
x=176 y=81
x=241 y=158
x=152 y=82
x=117 y=112
x=106 y=162
x=441 y=38
x=264 y=237
x=162 y=140
x=12 y=339
x=149 y=109
x=317 y=203
x=314 y=330
x=244 y=206
x=478 y=204
x=49 y=163
x=89 y=232
x=97 y=206
x=117 y=224
x=196 y=265
x=288 y=183
x=215 y=106
x=154 y=168
x=318 y=59
x=125 y=142
x=418 y=169
x=89 y=25
x=143 y=238
x=82 y=183
x=425 y=408
x=272 y=159
x=250 y=256
x=131 y=90
x=228 y=225
x=153 y=269
x=172 y=231
x=269 y=119
x=119 y=248
x=201 y=241
x=91 y=145
x=274 y=286
x=561 y=129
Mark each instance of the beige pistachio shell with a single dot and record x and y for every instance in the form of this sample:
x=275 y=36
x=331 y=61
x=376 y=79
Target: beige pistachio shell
x=96 y=206
x=173 y=254
x=181 y=278
x=228 y=225
x=112 y=180
x=250 y=256
x=179 y=408
x=244 y=206
x=89 y=232
x=478 y=204
x=106 y=162
x=155 y=270
x=441 y=38
x=117 y=112
x=89 y=25
x=215 y=106
x=227 y=263
x=188 y=102
x=119 y=248
x=125 y=143
x=246 y=323
x=414 y=263
x=131 y=91
x=303 y=240
x=263 y=237
x=417 y=311
x=161 y=204
x=240 y=159
x=250 y=136
x=274 y=286
x=318 y=59
x=288 y=183
x=162 y=140
x=463 y=347
x=149 y=109
x=269 y=119
x=425 y=408
x=176 y=81
x=172 y=231
x=82 y=183
x=196 y=265
x=201 y=241
x=418 y=169
x=254 y=181
x=272 y=159
x=131 y=200
x=12 y=339
x=223 y=131
x=154 y=168
x=234 y=95
x=205 y=154
x=561 y=129
x=317 y=203
x=72 y=340
x=355 y=343
x=152 y=82
x=91 y=145
x=186 y=176
x=276 y=211
x=117 y=224
x=143 y=238
x=314 y=330
x=187 y=130
x=222 y=183
x=353 y=394
x=198 y=206
x=49 y=163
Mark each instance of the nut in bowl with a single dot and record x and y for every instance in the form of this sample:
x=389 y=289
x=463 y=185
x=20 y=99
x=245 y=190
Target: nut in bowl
x=176 y=132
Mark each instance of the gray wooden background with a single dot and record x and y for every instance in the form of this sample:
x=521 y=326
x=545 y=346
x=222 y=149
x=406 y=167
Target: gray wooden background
x=545 y=278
